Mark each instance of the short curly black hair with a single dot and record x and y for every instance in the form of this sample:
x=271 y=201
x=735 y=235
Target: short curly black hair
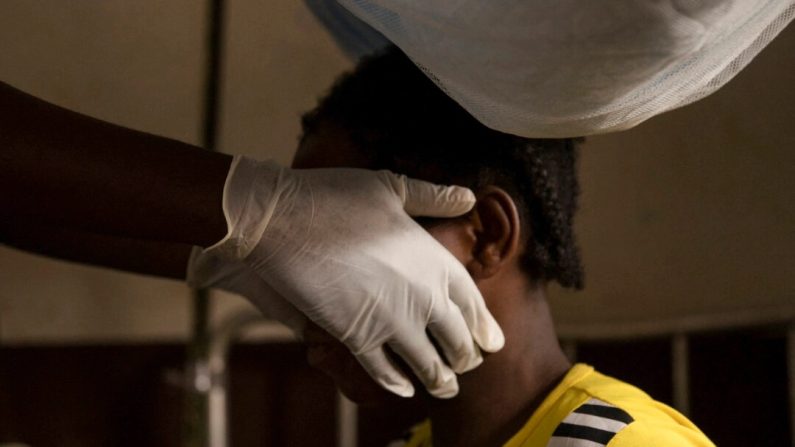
x=403 y=122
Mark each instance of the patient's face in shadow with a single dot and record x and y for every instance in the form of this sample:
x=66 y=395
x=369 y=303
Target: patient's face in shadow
x=329 y=147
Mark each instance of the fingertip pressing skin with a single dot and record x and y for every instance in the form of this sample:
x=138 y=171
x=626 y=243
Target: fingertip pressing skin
x=464 y=359
x=385 y=373
x=445 y=385
x=472 y=364
x=484 y=328
x=427 y=199
x=452 y=333
x=401 y=390
x=494 y=340
x=487 y=333
x=427 y=365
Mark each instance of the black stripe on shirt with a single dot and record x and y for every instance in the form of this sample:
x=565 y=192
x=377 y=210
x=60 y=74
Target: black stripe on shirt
x=613 y=413
x=567 y=430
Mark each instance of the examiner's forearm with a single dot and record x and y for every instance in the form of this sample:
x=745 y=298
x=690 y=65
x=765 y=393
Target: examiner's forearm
x=66 y=169
x=163 y=259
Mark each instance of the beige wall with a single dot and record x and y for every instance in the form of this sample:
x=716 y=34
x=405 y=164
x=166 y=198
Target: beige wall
x=688 y=213
x=694 y=211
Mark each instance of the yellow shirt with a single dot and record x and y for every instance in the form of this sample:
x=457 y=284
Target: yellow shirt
x=588 y=409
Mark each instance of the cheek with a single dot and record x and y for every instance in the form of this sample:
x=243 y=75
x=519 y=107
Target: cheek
x=452 y=240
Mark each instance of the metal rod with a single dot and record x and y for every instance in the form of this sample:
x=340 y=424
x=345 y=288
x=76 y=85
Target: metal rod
x=196 y=405
x=212 y=81
x=347 y=422
x=680 y=373
x=217 y=373
x=194 y=430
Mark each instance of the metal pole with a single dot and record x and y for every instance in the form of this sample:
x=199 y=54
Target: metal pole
x=195 y=430
x=217 y=416
x=347 y=422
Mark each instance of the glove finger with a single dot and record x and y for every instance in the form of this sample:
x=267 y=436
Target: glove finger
x=451 y=332
x=385 y=372
x=427 y=199
x=465 y=294
x=420 y=354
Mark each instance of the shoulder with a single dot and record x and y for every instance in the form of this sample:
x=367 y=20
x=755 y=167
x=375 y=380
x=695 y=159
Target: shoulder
x=616 y=414
x=646 y=433
x=592 y=424
x=598 y=423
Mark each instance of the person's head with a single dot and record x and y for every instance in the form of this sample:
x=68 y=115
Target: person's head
x=387 y=114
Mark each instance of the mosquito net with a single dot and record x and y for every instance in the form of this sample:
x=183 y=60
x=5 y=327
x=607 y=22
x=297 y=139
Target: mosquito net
x=557 y=68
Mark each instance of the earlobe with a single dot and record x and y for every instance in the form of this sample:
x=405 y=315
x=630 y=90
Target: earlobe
x=497 y=232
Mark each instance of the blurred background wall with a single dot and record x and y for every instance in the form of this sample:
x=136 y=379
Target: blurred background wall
x=692 y=212
x=688 y=214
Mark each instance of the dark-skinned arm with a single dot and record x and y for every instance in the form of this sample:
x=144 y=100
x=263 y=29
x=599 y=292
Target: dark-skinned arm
x=62 y=168
x=155 y=258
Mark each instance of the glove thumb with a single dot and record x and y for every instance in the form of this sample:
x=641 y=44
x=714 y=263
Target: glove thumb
x=431 y=200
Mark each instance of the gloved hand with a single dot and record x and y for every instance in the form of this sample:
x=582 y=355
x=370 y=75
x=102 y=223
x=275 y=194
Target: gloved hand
x=206 y=270
x=339 y=246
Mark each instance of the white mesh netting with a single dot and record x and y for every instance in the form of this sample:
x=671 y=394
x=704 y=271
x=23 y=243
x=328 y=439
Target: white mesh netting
x=559 y=68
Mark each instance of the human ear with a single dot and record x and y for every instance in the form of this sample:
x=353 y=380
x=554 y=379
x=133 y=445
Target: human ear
x=497 y=233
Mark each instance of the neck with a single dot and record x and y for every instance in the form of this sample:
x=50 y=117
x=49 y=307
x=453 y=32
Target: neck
x=496 y=399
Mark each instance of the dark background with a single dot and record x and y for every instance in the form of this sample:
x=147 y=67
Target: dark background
x=129 y=395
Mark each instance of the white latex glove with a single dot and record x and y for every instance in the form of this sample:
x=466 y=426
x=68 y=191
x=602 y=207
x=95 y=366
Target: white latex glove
x=339 y=245
x=206 y=270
